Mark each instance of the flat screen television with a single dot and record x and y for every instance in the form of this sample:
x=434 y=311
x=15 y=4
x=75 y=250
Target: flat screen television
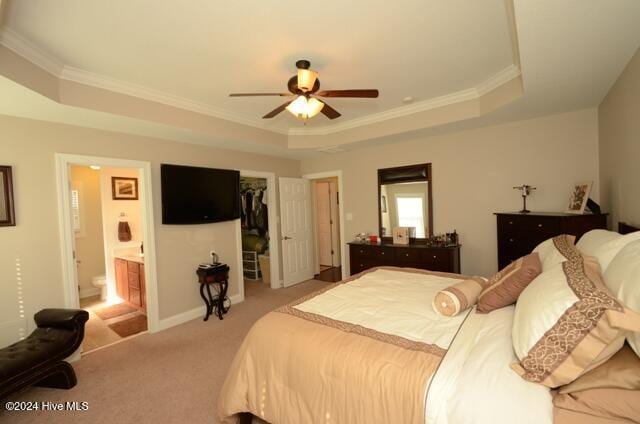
x=192 y=195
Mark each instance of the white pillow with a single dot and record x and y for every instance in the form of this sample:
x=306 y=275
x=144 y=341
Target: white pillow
x=606 y=252
x=566 y=322
x=621 y=269
x=592 y=240
x=623 y=278
x=548 y=251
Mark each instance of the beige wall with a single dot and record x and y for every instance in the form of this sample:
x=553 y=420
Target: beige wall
x=89 y=240
x=619 y=120
x=473 y=175
x=29 y=146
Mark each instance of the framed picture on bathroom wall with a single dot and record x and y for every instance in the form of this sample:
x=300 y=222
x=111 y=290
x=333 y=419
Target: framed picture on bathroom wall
x=7 y=211
x=124 y=188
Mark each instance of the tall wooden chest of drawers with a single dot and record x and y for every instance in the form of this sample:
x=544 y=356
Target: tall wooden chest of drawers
x=363 y=256
x=519 y=234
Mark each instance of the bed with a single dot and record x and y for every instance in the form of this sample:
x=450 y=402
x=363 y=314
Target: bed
x=372 y=349
x=377 y=332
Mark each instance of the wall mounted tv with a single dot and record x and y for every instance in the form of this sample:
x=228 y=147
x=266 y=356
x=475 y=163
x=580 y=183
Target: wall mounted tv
x=192 y=195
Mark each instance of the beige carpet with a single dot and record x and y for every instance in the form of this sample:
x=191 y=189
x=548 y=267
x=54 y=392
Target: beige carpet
x=169 y=377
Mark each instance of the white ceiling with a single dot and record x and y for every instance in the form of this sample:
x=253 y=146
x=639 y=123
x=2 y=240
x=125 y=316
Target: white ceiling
x=570 y=53
x=203 y=50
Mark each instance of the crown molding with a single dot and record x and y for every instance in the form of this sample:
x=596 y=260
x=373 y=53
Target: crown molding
x=495 y=81
x=39 y=57
x=31 y=52
x=134 y=90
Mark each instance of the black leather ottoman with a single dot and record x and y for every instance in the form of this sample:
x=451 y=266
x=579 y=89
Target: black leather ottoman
x=38 y=360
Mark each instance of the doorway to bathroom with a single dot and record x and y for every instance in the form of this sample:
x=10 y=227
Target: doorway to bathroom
x=260 y=264
x=104 y=217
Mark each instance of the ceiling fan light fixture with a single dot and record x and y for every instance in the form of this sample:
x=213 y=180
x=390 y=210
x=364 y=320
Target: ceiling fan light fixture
x=306 y=79
x=304 y=108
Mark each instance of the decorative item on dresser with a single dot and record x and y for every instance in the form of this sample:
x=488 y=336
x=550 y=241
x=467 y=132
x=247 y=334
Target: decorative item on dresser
x=519 y=234
x=365 y=255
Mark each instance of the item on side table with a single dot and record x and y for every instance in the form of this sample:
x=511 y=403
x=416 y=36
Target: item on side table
x=39 y=359
x=401 y=235
x=526 y=191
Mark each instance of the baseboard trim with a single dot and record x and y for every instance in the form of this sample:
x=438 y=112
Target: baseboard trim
x=88 y=292
x=187 y=316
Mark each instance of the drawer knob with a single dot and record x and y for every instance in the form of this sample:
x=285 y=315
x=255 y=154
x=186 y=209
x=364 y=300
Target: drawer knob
x=406 y=254
x=511 y=240
x=539 y=225
x=382 y=253
x=510 y=222
x=435 y=257
x=361 y=251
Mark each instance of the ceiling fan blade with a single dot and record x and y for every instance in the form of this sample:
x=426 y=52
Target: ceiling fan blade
x=330 y=112
x=259 y=94
x=276 y=111
x=372 y=93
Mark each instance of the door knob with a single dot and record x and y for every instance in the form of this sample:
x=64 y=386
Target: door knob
x=286 y=238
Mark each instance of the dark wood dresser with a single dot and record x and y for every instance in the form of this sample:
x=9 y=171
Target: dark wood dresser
x=519 y=234
x=363 y=256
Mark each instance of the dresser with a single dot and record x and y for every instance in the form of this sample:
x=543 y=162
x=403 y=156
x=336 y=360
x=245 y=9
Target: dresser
x=363 y=256
x=519 y=234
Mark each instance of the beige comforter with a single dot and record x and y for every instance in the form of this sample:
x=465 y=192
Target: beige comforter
x=361 y=351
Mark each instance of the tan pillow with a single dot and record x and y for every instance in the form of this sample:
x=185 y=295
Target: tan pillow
x=504 y=287
x=455 y=299
x=566 y=322
x=597 y=406
x=622 y=371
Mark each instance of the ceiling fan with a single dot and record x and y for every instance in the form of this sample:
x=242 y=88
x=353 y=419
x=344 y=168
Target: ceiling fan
x=305 y=86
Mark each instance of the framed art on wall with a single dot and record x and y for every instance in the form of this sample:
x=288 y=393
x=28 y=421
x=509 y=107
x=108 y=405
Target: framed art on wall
x=7 y=210
x=579 y=197
x=124 y=188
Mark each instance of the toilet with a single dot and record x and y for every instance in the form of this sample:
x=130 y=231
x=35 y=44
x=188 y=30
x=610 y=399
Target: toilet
x=100 y=282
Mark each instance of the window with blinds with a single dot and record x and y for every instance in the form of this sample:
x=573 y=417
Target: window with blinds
x=75 y=210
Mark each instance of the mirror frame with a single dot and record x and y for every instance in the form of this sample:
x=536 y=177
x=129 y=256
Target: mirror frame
x=406 y=174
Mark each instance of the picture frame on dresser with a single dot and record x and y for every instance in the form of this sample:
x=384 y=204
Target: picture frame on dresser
x=7 y=207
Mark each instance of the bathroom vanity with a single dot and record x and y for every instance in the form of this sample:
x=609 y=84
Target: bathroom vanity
x=130 y=284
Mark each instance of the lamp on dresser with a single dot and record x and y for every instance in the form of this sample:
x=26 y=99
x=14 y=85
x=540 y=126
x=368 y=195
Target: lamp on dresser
x=519 y=234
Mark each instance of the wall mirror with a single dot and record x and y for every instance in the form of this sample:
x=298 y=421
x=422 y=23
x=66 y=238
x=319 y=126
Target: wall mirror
x=404 y=200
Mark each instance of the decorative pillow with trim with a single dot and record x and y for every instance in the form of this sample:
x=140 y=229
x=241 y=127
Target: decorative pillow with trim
x=458 y=297
x=567 y=322
x=504 y=287
x=550 y=256
x=623 y=278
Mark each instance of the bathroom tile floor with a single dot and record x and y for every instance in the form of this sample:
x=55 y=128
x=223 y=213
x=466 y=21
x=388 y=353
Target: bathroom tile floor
x=97 y=331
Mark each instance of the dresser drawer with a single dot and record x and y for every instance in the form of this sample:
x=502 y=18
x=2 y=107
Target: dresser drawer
x=437 y=260
x=407 y=254
x=527 y=223
x=360 y=252
x=361 y=265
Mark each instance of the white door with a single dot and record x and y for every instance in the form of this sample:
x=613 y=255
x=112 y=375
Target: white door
x=335 y=224
x=323 y=218
x=296 y=230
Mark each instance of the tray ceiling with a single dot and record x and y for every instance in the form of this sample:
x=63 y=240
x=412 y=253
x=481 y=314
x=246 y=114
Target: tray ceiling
x=201 y=51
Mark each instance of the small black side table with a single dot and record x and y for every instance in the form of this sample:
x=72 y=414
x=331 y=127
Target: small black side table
x=217 y=276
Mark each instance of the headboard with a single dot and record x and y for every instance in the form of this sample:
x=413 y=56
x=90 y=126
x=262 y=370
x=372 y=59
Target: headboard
x=626 y=228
